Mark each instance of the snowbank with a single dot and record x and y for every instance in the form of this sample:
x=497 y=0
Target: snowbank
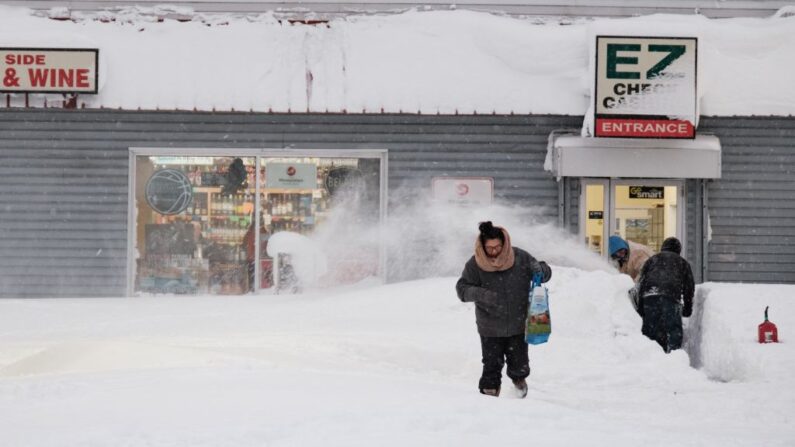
x=427 y=62
x=391 y=365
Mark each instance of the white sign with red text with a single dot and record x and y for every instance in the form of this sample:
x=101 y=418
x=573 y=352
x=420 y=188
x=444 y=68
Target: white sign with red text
x=49 y=70
x=645 y=87
x=464 y=190
x=291 y=175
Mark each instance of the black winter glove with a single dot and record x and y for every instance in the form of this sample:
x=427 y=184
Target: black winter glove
x=687 y=310
x=546 y=272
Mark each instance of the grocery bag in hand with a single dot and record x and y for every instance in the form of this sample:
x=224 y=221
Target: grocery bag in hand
x=538 y=326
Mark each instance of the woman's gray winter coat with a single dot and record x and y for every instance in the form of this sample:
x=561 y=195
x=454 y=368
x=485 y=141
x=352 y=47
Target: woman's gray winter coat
x=501 y=298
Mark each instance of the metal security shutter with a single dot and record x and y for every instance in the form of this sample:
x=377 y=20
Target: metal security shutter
x=752 y=207
x=63 y=214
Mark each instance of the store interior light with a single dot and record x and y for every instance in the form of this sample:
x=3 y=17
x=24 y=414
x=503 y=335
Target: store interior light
x=185 y=160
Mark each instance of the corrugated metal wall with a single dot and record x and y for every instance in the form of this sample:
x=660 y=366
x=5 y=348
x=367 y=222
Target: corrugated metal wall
x=63 y=213
x=752 y=208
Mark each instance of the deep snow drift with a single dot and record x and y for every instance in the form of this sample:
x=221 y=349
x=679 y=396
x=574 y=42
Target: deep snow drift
x=389 y=365
x=416 y=62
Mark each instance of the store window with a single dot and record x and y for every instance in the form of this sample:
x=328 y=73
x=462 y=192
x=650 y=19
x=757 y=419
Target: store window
x=196 y=219
x=298 y=195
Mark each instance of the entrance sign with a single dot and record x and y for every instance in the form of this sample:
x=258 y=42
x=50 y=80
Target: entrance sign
x=464 y=190
x=291 y=175
x=645 y=87
x=49 y=70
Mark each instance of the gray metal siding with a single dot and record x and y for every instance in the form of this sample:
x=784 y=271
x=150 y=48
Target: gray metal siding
x=692 y=227
x=63 y=214
x=752 y=207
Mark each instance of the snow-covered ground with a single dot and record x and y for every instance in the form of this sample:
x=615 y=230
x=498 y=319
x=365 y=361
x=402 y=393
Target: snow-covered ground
x=389 y=365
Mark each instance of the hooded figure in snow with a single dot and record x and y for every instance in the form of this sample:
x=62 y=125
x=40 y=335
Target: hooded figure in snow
x=498 y=280
x=664 y=286
x=628 y=256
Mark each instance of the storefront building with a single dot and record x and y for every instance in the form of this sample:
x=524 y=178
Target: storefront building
x=66 y=210
x=107 y=202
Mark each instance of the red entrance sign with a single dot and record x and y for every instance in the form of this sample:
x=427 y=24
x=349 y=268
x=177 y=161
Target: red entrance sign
x=644 y=128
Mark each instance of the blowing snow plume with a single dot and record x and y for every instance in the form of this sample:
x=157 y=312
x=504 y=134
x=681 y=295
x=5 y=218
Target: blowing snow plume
x=425 y=238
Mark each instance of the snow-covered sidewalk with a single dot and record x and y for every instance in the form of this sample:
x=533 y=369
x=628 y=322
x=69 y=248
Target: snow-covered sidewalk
x=389 y=365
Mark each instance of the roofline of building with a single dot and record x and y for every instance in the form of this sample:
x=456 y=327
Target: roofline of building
x=331 y=8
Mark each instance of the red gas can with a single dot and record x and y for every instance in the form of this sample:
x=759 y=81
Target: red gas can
x=768 y=333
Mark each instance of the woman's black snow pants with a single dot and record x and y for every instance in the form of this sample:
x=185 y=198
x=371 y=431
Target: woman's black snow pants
x=498 y=350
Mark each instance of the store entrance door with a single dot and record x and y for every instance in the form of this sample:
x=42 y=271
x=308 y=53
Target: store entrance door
x=642 y=210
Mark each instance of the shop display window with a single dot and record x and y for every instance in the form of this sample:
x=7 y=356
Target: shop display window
x=299 y=194
x=193 y=214
x=195 y=220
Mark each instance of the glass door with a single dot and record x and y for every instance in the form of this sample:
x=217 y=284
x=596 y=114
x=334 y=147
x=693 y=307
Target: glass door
x=647 y=211
x=594 y=207
x=642 y=211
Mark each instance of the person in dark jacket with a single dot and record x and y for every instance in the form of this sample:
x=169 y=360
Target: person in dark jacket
x=498 y=280
x=665 y=292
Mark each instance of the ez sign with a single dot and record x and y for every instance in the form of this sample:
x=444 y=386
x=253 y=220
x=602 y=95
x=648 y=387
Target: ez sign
x=645 y=87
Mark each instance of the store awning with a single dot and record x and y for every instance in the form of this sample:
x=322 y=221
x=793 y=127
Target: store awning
x=576 y=156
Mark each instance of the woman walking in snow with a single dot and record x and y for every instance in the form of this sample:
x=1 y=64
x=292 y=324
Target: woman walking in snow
x=498 y=280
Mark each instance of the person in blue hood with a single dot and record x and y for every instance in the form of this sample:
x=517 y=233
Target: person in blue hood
x=627 y=256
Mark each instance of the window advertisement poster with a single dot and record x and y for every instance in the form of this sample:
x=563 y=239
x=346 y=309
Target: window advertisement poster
x=291 y=175
x=645 y=87
x=49 y=70
x=464 y=190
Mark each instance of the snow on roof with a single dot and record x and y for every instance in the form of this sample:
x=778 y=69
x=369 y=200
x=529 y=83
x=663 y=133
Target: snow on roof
x=415 y=62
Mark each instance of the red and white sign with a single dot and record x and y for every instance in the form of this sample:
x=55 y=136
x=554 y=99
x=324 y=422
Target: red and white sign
x=464 y=190
x=640 y=128
x=49 y=70
x=645 y=87
x=291 y=175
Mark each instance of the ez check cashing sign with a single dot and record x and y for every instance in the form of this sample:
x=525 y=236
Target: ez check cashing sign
x=645 y=87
